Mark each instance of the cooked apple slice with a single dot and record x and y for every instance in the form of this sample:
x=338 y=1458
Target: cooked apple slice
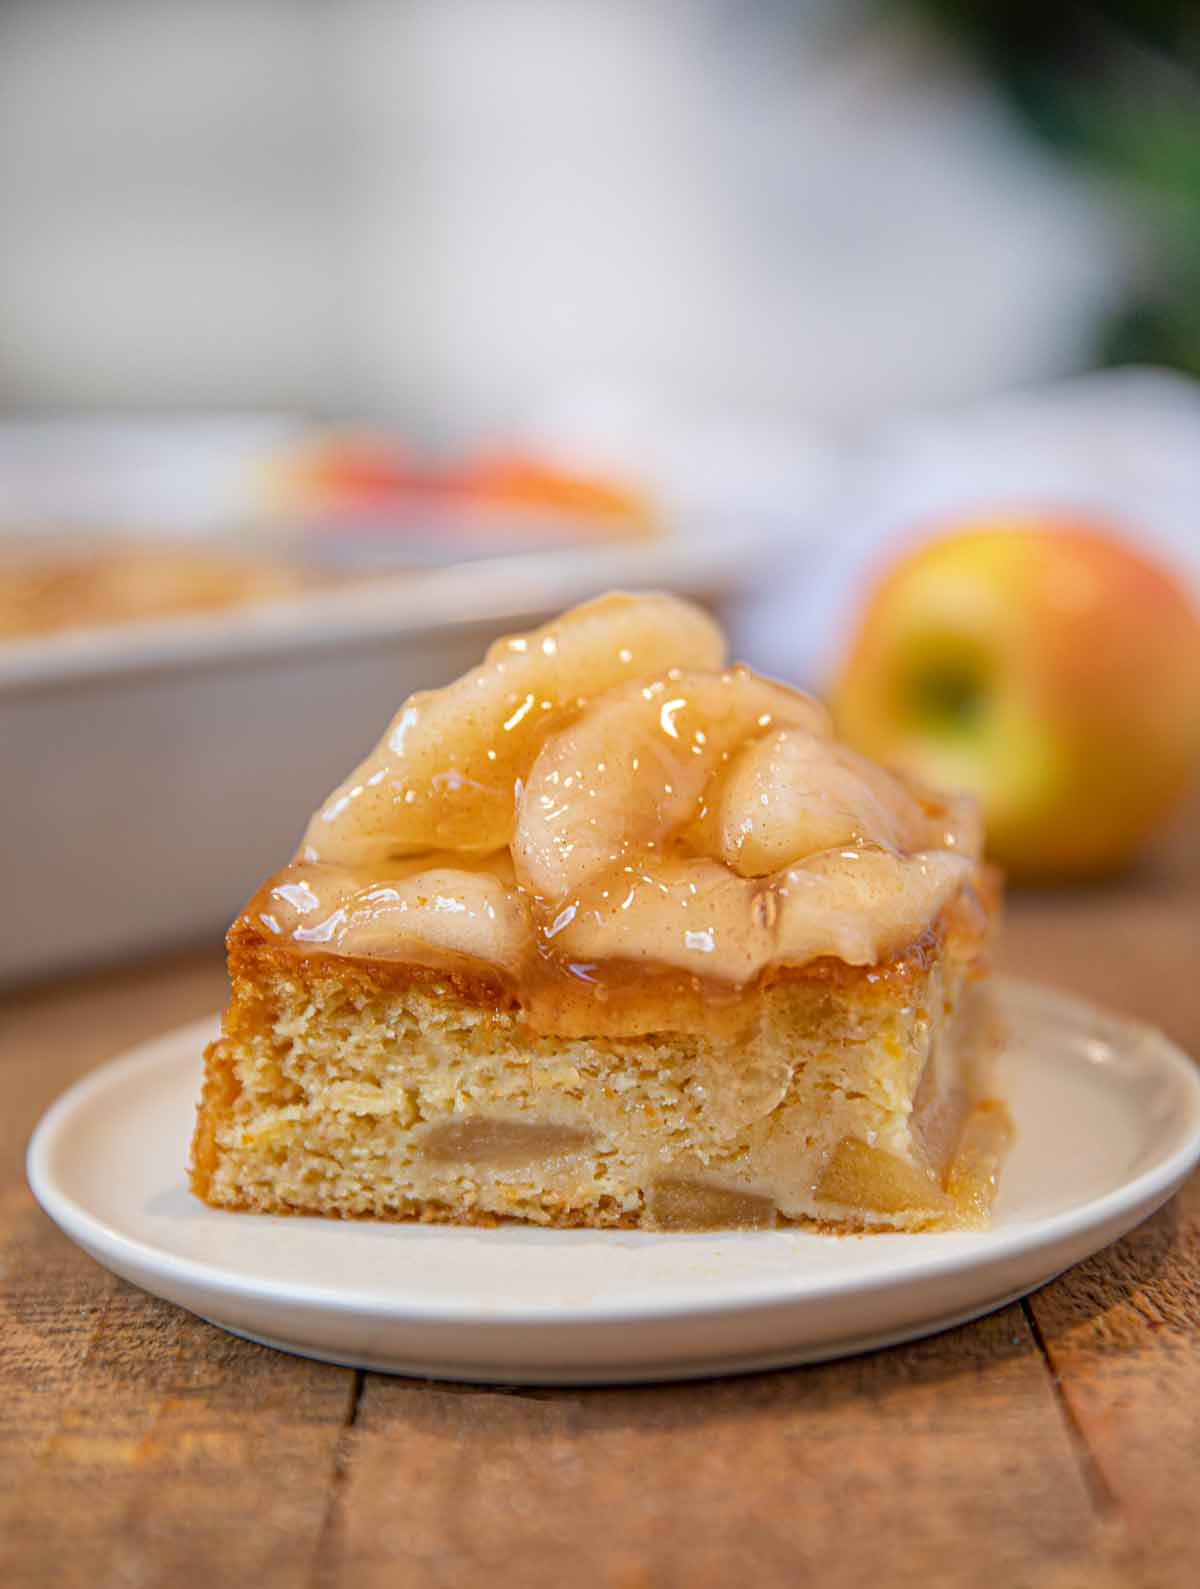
x=791 y=794
x=696 y=915
x=404 y=913
x=631 y=770
x=446 y=773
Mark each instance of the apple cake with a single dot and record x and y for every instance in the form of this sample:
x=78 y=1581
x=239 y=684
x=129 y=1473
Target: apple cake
x=611 y=933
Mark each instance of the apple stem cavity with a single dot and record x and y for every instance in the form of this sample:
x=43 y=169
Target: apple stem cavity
x=945 y=700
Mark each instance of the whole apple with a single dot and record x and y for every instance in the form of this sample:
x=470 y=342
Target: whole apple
x=1048 y=666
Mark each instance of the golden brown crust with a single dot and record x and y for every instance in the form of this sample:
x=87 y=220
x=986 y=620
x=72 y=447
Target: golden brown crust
x=416 y=1212
x=252 y=953
x=217 y=1098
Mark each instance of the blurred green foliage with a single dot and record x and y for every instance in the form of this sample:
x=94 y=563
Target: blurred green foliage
x=1113 y=85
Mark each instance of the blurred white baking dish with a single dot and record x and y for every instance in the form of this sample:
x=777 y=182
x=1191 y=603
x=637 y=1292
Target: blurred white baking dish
x=154 y=773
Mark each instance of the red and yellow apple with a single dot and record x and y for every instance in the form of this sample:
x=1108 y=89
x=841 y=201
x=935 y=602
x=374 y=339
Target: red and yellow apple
x=1047 y=665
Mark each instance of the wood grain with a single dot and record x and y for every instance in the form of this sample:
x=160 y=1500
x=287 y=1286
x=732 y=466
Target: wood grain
x=1054 y=1445
x=1122 y=1335
x=778 y=1478
x=137 y=1444
x=1121 y=1332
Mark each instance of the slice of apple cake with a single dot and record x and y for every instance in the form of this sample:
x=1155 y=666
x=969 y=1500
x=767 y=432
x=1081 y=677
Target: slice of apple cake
x=610 y=933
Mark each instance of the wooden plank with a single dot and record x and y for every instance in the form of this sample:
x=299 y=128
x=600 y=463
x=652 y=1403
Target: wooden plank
x=1130 y=944
x=1122 y=1334
x=1122 y=1331
x=50 y=1036
x=137 y=1444
x=879 y=1470
x=1138 y=958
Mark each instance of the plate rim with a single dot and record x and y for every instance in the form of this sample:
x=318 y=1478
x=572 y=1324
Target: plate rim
x=1136 y=1198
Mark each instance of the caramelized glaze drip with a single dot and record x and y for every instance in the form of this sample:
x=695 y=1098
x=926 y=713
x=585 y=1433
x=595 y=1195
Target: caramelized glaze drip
x=602 y=814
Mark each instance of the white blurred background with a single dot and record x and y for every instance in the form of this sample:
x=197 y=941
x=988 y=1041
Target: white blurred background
x=369 y=287
x=461 y=214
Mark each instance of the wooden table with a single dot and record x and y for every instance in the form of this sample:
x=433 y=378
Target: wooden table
x=1056 y=1443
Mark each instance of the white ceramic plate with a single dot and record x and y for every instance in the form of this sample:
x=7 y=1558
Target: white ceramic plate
x=1108 y=1120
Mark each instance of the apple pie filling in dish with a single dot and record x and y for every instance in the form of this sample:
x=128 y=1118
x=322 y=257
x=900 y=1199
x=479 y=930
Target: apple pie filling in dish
x=612 y=933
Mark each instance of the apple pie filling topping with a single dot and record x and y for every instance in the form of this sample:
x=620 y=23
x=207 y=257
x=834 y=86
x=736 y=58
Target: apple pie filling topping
x=604 y=798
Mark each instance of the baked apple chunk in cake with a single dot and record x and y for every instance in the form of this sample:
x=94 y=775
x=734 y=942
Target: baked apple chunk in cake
x=612 y=933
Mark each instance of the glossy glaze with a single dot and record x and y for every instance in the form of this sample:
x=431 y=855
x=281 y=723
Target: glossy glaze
x=602 y=808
